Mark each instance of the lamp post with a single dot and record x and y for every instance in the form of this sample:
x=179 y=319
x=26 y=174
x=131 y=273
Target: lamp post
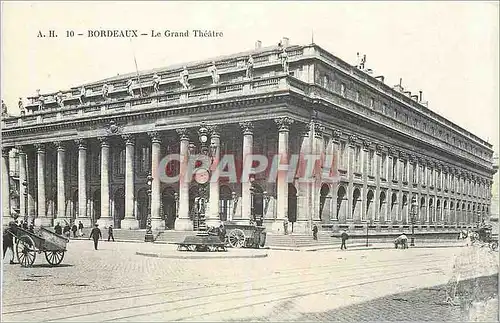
x=25 y=200
x=413 y=216
x=149 y=232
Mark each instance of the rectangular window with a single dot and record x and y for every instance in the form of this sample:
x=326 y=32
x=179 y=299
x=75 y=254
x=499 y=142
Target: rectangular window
x=371 y=155
x=383 y=165
x=384 y=108
x=343 y=155
x=422 y=174
x=414 y=173
x=405 y=171
x=394 y=168
x=372 y=102
x=357 y=159
x=358 y=96
x=342 y=89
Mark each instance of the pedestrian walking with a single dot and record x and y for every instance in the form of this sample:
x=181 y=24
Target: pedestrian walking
x=344 y=236
x=58 y=229
x=80 y=229
x=67 y=230
x=285 y=226
x=8 y=240
x=74 y=228
x=96 y=235
x=315 y=232
x=110 y=233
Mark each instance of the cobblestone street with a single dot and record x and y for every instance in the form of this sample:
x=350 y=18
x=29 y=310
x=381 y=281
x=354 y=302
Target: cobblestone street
x=115 y=284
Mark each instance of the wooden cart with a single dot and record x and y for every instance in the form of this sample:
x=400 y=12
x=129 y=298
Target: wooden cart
x=41 y=240
x=245 y=235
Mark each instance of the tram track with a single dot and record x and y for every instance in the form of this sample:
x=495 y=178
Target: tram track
x=148 y=306
x=114 y=290
x=91 y=294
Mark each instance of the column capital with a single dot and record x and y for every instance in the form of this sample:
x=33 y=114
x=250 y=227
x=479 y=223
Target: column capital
x=304 y=129
x=59 y=145
x=379 y=148
x=5 y=151
x=104 y=141
x=247 y=127
x=318 y=130
x=40 y=147
x=352 y=139
x=336 y=134
x=81 y=143
x=129 y=139
x=283 y=124
x=155 y=137
x=367 y=144
x=183 y=134
x=20 y=149
x=214 y=130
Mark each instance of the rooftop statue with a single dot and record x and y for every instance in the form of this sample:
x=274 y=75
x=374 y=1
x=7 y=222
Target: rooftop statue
x=105 y=90
x=184 y=78
x=4 y=110
x=20 y=105
x=130 y=84
x=156 y=83
x=82 y=94
x=213 y=72
x=249 y=73
x=284 y=60
x=59 y=99
x=41 y=102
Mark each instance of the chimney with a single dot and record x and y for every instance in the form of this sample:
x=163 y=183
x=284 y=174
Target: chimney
x=285 y=42
x=419 y=96
x=258 y=44
x=381 y=78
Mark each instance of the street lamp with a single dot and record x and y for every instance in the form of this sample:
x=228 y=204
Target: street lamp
x=25 y=200
x=413 y=216
x=149 y=232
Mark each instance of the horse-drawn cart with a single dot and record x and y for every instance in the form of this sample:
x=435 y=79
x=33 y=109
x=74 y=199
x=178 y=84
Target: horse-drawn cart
x=41 y=240
x=485 y=236
x=245 y=235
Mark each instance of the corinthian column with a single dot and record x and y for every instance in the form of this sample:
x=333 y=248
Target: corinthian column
x=129 y=222
x=82 y=182
x=23 y=182
x=183 y=222
x=61 y=180
x=213 y=218
x=106 y=219
x=246 y=197
x=41 y=219
x=156 y=222
x=282 y=185
x=5 y=185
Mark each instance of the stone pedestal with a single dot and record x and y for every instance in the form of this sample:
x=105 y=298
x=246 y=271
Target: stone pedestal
x=129 y=224
x=183 y=224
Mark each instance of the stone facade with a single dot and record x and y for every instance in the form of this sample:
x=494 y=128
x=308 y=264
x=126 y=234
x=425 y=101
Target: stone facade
x=87 y=157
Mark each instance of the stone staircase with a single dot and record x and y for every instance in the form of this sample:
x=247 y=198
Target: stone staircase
x=300 y=240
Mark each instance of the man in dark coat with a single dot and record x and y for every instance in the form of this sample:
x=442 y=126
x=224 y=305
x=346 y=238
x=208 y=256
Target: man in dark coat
x=315 y=232
x=222 y=233
x=110 y=233
x=67 y=230
x=74 y=228
x=8 y=240
x=58 y=229
x=344 y=236
x=96 y=235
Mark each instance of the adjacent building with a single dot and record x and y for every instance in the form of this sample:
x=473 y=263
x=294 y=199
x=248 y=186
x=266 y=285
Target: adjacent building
x=85 y=153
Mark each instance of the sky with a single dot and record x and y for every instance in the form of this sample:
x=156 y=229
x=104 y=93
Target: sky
x=449 y=50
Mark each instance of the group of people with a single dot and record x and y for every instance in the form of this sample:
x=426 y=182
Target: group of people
x=68 y=228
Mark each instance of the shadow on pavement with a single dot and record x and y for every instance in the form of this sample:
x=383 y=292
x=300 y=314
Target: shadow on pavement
x=50 y=266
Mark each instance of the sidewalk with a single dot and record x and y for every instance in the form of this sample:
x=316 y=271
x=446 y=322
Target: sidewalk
x=360 y=246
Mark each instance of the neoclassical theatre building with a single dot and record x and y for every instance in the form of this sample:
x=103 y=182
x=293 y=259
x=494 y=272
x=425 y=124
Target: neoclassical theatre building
x=85 y=153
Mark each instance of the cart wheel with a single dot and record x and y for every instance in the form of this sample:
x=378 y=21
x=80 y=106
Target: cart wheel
x=54 y=257
x=494 y=245
x=237 y=238
x=262 y=239
x=26 y=251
